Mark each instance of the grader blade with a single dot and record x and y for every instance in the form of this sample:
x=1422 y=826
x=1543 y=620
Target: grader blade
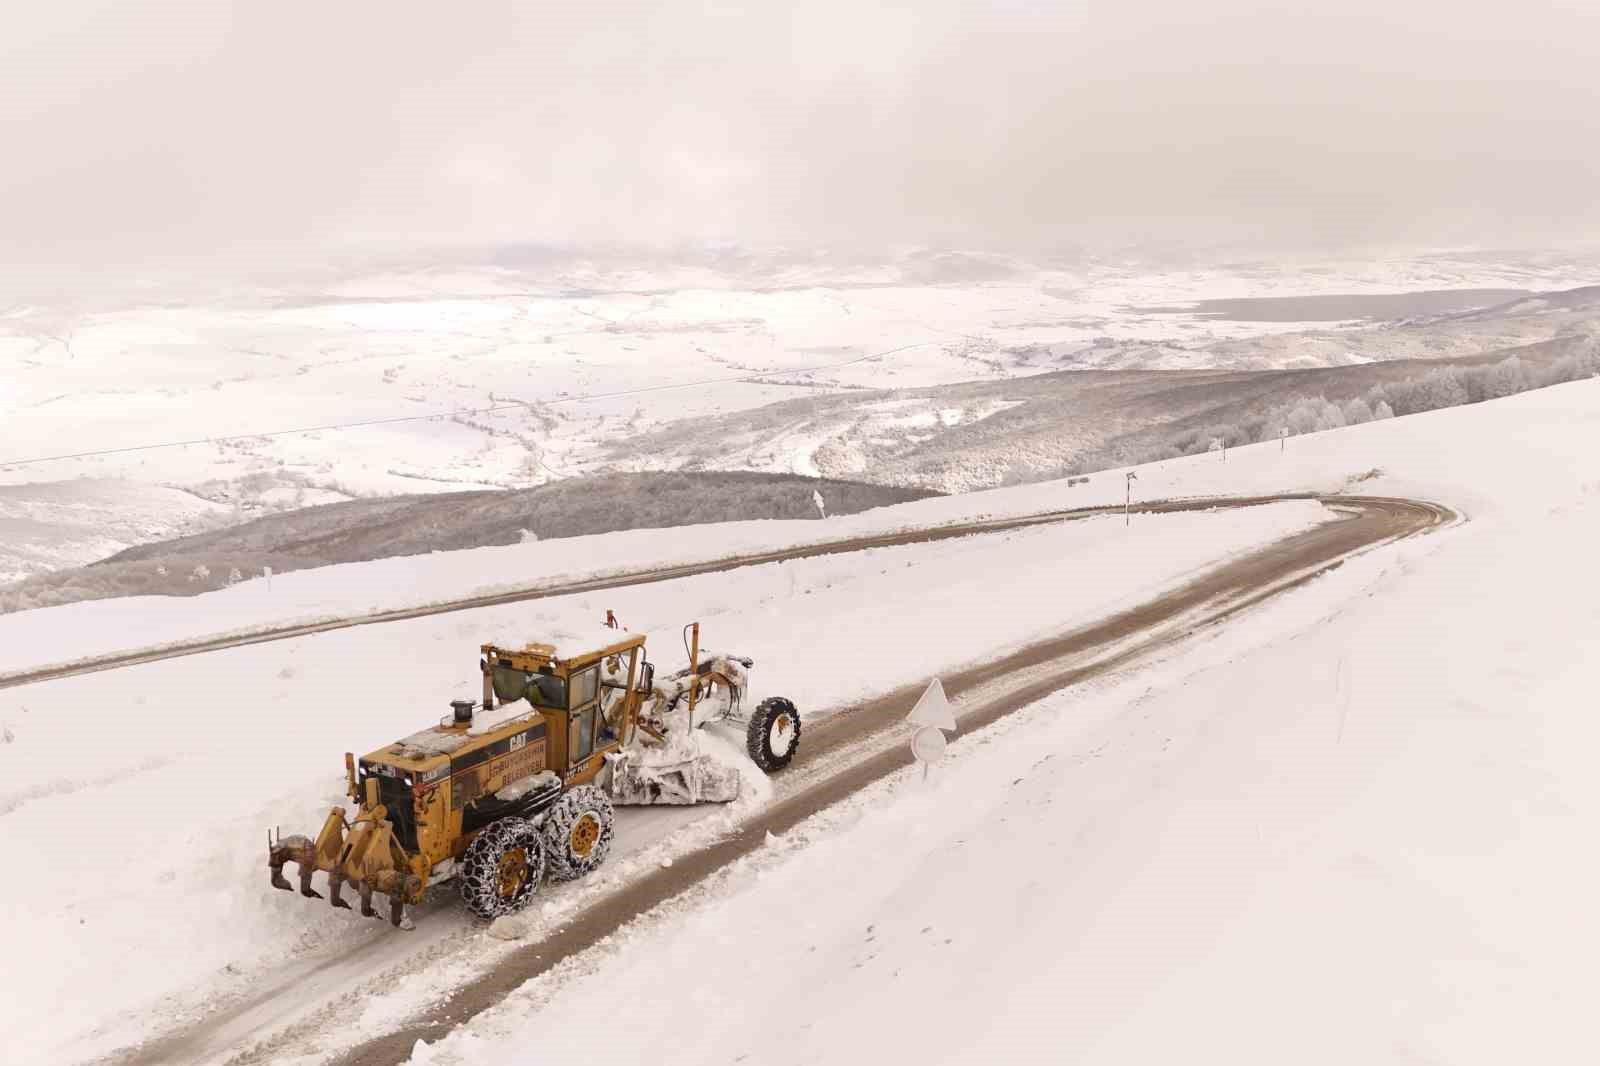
x=680 y=782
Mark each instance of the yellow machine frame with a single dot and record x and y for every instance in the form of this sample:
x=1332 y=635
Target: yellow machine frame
x=422 y=800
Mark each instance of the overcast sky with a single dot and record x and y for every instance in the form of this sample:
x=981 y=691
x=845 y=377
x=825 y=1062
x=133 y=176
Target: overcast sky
x=146 y=129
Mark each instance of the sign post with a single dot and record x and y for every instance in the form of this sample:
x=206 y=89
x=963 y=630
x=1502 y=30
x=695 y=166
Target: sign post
x=933 y=716
x=1127 y=496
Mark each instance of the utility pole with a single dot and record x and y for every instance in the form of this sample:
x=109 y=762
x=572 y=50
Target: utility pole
x=1127 y=497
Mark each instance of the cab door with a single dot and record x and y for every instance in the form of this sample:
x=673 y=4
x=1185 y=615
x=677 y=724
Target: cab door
x=584 y=722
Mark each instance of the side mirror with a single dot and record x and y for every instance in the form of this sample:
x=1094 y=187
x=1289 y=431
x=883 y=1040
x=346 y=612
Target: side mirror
x=647 y=678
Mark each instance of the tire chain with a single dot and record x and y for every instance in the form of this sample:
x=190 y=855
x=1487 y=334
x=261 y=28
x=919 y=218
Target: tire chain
x=481 y=867
x=561 y=863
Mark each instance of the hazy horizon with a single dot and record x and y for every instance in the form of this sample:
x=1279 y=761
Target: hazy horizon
x=227 y=132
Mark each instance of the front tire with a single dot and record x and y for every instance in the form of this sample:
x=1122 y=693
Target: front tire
x=502 y=868
x=577 y=832
x=773 y=734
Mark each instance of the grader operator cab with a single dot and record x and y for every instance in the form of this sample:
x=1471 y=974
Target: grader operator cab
x=506 y=792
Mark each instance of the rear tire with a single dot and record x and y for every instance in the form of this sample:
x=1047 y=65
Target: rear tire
x=773 y=734
x=502 y=868
x=577 y=832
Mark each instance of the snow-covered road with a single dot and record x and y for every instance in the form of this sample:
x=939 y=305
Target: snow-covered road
x=848 y=753
x=175 y=769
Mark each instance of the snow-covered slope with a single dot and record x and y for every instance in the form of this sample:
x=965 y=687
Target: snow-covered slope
x=335 y=347
x=1349 y=827
x=44 y=527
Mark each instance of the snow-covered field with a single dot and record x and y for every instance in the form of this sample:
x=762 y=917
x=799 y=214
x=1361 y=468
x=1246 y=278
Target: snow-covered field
x=1320 y=778
x=1357 y=812
x=1349 y=827
x=179 y=767
x=165 y=365
x=46 y=526
x=59 y=635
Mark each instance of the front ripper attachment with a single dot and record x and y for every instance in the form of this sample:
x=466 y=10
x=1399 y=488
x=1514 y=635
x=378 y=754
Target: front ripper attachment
x=369 y=858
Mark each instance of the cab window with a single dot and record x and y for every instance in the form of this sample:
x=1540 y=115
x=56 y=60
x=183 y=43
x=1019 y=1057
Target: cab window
x=546 y=690
x=584 y=685
x=615 y=668
x=580 y=735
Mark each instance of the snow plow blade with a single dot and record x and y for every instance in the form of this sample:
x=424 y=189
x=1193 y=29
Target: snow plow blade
x=675 y=782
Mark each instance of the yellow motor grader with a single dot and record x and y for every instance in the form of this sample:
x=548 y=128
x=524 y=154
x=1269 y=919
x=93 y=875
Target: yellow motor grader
x=507 y=792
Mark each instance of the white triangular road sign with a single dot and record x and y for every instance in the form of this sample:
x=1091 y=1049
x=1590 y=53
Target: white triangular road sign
x=933 y=709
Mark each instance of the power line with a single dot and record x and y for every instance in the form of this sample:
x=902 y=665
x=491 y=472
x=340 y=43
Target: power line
x=506 y=406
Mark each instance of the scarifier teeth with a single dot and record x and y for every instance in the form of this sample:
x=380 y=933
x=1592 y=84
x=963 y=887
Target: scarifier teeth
x=305 y=883
x=335 y=886
x=278 y=881
x=396 y=911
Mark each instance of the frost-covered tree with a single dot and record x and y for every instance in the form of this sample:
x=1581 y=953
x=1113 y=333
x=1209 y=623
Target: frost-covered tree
x=1357 y=411
x=1505 y=378
x=1435 y=390
x=1313 y=415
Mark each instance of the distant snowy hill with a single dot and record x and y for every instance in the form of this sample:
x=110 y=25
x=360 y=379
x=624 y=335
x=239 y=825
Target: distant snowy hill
x=48 y=526
x=529 y=365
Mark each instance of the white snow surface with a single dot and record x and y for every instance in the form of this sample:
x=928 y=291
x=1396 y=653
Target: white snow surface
x=1350 y=826
x=44 y=527
x=255 y=735
x=209 y=361
x=1358 y=812
x=79 y=630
